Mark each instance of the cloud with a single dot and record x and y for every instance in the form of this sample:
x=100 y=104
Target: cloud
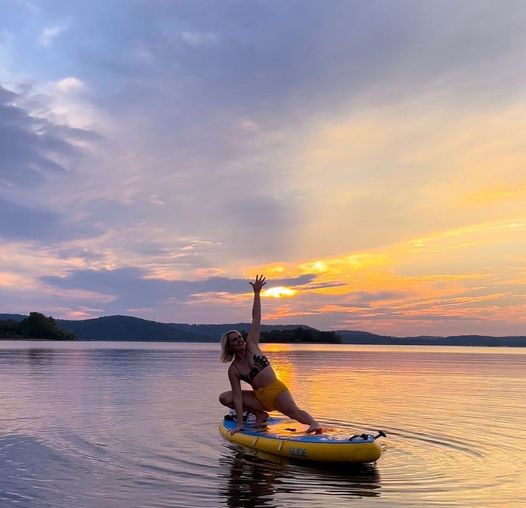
x=347 y=55
x=366 y=297
x=69 y=84
x=36 y=151
x=179 y=113
x=50 y=33
x=32 y=147
x=200 y=39
x=135 y=288
x=20 y=222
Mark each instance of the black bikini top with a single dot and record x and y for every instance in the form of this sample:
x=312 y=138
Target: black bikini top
x=260 y=362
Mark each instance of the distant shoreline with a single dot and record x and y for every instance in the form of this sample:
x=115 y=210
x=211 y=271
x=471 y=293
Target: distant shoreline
x=173 y=341
x=131 y=329
x=37 y=339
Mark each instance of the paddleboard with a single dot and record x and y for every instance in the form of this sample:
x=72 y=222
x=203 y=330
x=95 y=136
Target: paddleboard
x=288 y=438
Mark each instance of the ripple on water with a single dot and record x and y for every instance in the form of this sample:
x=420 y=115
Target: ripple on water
x=255 y=479
x=412 y=462
x=438 y=466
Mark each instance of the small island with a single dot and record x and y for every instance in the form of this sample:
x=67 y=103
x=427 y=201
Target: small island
x=35 y=326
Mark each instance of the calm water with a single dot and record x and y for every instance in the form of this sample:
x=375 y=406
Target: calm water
x=132 y=424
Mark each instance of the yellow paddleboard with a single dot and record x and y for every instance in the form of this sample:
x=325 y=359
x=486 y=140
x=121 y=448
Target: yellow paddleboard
x=288 y=438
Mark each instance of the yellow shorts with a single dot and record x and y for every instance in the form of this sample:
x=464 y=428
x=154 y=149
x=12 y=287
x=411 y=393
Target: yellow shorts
x=268 y=394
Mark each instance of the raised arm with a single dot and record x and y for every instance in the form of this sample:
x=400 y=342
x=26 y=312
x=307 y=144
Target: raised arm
x=255 y=328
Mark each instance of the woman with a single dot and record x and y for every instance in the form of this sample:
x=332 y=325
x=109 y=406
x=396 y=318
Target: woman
x=251 y=365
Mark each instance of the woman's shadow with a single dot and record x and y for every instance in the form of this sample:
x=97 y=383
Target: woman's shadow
x=257 y=479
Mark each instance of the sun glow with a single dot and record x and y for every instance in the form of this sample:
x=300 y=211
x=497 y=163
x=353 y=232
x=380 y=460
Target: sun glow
x=279 y=292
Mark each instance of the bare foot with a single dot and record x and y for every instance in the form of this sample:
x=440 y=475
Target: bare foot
x=314 y=429
x=261 y=418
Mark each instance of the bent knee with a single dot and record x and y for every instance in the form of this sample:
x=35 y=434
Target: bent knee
x=225 y=398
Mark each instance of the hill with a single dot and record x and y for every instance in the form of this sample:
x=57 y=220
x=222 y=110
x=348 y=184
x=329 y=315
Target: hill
x=124 y=328
x=12 y=317
x=356 y=337
x=117 y=328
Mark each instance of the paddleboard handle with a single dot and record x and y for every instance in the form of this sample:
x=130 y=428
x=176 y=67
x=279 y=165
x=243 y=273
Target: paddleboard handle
x=360 y=436
x=365 y=437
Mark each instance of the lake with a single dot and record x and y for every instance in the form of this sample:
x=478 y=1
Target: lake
x=109 y=424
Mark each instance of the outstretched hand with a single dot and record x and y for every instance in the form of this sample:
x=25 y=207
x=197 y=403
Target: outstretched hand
x=258 y=284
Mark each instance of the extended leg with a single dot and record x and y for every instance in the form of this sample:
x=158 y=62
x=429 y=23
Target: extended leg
x=285 y=404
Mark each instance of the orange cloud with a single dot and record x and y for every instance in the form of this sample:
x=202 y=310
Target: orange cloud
x=452 y=275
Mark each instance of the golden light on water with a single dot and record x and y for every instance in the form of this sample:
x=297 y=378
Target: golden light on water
x=279 y=292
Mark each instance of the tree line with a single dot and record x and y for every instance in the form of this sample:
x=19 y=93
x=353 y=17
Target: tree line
x=35 y=326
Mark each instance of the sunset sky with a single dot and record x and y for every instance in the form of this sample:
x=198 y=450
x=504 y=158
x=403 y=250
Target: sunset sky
x=369 y=157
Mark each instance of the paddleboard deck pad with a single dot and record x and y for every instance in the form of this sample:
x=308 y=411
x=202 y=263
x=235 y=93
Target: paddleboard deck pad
x=288 y=438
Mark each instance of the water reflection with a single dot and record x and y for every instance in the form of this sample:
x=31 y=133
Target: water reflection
x=249 y=480
x=39 y=356
x=30 y=356
x=257 y=479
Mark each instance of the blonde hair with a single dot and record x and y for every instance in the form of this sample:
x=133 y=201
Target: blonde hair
x=226 y=354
